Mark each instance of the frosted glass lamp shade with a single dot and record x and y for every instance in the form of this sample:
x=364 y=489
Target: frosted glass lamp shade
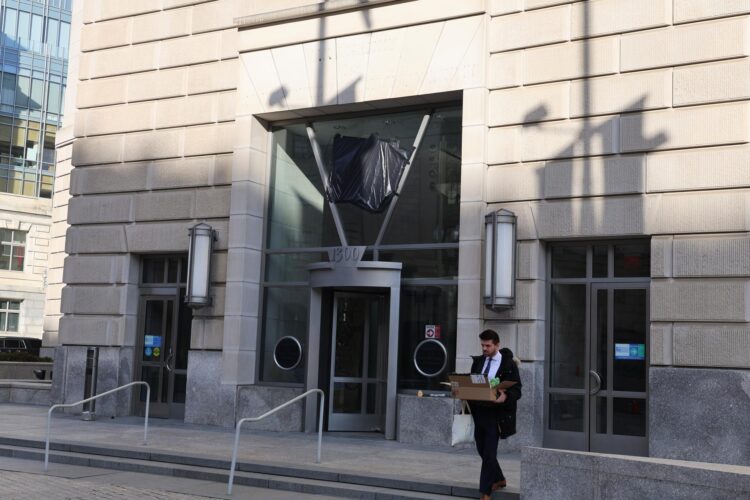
x=199 y=266
x=500 y=259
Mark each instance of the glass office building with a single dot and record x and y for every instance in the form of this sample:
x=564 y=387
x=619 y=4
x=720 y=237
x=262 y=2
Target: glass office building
x=34 y=45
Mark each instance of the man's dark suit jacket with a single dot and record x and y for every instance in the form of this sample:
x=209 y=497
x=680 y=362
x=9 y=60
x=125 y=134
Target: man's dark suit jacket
x=508 y=371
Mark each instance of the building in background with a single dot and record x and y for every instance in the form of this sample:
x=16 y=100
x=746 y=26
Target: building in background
x=34 y=53
x=606 y=126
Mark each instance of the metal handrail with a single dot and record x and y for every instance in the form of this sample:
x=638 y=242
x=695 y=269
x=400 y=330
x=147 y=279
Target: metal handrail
x=70 y=405
x=255 y=419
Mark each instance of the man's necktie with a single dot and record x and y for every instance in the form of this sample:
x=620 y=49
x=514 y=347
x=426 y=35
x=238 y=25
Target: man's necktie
x=487 y=368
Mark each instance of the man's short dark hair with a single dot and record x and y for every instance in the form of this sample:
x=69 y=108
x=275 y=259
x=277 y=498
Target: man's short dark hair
x=490 y=335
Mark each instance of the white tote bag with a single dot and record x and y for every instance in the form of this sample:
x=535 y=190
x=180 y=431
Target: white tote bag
x=463 y=427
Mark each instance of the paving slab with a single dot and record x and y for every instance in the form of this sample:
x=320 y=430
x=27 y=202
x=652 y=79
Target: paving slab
x=342 y=453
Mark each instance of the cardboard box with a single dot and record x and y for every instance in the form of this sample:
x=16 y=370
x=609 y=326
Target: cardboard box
x=475 y=387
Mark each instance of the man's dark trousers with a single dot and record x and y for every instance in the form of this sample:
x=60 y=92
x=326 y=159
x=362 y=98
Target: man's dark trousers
x=486 y=436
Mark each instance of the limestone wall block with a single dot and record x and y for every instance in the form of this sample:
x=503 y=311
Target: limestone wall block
x=473 y=181
x=117 y=119
x=215 y=16
x=238 y=368
x=225 y=106
x=160 y=84
x=472 y=221
x=715 y=82
x=470 y=303
x=212 y=203
x=120 y=61
x=529 y=303
x=209 y=139
x=164 y=205
x=97 y=239
x=190 y=50
x=715 y=255
x=515 y=182
x=101 y=92
x=591 y=217
x=459 y=57
x=105 y=35
x=420 y=12
x=661 y=256
x=566 y=61
x=529 y=104
x=207 y=333
x=605 y=17
x=594 y=176
x=701 y=344
x=98 y=150
x=241 y=299
x=686 y=127
x=171 y=4
x=698 y=169
x=168 y=236
x=96 y=269
x=185 y=111
x=112 y=10
x=244 y=264
x=504 y=145
x=530 y=260
x=538 y=4
x=709 y=212
x=219 y=267
x=529 y=29
x=473 y=144
x=526 y=226
x=530 y=341
x=154 y=144
x=500 y=7
x=660 y=347
x=686 y=44
x=246 y=231
x=180 y=173
x=85 y=299
x=474 y=107
x=695 y=10
x=700 y=300
x=504 y=70
x=470 y=258
x=162 y=25
x=570 y=138
x=467 y=341
x=222 y=171
x=96 y=329
x=99 y=209
x=213 y=77
x=621 y=93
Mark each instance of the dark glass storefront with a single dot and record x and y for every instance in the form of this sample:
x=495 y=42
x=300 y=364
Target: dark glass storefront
x=422 y=235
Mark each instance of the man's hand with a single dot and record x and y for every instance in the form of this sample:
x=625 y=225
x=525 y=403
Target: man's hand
x=502 y=397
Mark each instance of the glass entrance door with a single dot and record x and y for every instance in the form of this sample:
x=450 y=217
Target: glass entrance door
x=617 y=381
x=163 y=344
x=358 y=363
x=597 y=369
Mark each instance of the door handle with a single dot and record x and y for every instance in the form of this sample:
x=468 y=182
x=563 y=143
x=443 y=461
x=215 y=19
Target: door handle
x=170 y=361
x=598 y=383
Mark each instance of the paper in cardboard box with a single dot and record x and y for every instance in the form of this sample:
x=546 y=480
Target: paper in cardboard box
x=475 y=387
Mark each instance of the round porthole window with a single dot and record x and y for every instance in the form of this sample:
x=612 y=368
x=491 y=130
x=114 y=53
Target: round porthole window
x=430 y=358
x=287 y=354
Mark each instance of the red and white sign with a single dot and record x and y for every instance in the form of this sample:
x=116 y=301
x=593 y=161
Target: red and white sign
x=432 y=331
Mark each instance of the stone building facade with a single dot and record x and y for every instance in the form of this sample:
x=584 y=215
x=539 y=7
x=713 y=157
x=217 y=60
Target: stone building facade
x=616 y=131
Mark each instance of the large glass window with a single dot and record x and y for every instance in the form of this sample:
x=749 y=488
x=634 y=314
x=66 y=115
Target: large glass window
x=422 y=234
x=12 y=249
x=10 y=312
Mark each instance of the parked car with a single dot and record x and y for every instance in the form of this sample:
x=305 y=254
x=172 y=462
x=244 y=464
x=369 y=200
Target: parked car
x=20 y=344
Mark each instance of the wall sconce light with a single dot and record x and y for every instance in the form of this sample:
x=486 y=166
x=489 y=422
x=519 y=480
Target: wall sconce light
x=500 y=260
x=199 y=265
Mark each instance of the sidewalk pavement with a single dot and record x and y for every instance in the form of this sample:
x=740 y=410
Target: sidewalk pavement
x=23 y=480
x=343 y=453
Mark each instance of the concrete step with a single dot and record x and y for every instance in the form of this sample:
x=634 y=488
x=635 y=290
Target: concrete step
x=311 y=479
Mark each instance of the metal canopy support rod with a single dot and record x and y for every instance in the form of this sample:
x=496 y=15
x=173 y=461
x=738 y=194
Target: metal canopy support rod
x=321 y=170
x=417 y=141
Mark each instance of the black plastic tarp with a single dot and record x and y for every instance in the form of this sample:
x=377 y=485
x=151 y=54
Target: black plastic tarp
x=365 y=172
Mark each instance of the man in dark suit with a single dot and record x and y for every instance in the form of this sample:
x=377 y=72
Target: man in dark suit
x=494 y=420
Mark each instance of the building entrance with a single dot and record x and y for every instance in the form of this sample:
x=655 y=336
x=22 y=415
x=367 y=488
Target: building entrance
x=359 y=361
x=163 y=341
x=597 y=375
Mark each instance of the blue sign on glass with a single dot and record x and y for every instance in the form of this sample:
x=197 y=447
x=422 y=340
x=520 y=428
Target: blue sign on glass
x=152 y=341
x=631 y=352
